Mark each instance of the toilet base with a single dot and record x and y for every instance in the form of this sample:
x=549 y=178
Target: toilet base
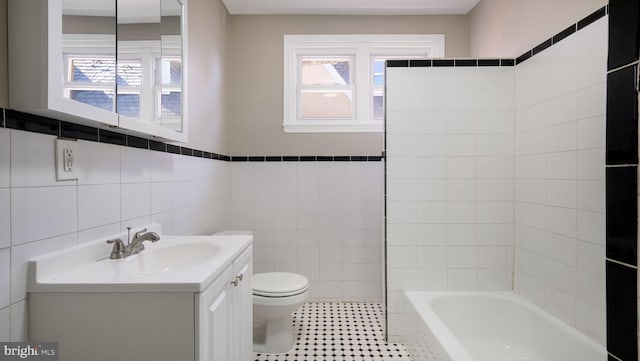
x=273 y=336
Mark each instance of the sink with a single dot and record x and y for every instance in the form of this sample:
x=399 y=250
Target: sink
x=173 y=264
x=169 y=258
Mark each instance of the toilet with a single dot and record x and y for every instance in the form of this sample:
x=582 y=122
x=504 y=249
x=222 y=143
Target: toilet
x=276 y=295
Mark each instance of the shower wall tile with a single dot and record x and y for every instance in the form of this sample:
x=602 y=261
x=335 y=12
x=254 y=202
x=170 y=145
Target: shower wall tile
x=624 y=32
x=450 y=180
x=622 y=214
x=622 y=116
x=622 y=311
x=559 y=179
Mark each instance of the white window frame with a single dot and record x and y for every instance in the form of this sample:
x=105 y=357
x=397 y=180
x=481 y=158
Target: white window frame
x=363 y=48
x=92 y=45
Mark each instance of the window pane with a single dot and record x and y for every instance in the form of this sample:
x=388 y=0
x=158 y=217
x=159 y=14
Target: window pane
x=378 y=107
x=129 y=105
x=171 y=104
x=98 y=98
x=129 y=73
x=378 y=71
x=326 y=71
x=93 y=71
x=171 y=71
x=326 y=105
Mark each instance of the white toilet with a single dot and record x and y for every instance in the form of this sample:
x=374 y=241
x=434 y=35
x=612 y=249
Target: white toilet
x=276 y=295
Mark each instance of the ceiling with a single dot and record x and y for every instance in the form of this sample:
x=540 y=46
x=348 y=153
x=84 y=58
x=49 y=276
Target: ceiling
x=351 y=7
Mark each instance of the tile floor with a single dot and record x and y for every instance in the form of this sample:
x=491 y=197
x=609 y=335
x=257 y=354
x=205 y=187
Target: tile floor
x=339 y=331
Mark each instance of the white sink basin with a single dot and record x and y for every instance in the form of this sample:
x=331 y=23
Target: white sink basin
x=173 y=257
x=172 y=264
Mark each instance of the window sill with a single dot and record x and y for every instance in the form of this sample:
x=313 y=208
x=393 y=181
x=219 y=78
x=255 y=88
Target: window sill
x=333 y=128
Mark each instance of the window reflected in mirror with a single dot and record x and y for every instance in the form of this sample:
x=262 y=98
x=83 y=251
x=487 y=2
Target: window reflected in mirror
x=89 y=52
x=125 y=59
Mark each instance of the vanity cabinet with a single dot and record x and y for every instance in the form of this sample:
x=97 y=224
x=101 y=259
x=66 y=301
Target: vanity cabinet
x=212 y=325
x=225 y=315
x=111 y=64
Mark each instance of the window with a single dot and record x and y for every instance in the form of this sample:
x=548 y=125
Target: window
x=91 y=70
x=335 y=83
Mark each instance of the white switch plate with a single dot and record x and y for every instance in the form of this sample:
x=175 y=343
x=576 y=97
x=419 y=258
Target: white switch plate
x=66 y=159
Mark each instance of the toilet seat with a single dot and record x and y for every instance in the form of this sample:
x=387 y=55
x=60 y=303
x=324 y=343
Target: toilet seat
x=279 y=284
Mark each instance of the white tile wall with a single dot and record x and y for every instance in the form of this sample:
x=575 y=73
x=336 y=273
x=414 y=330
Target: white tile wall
x=54 y=208
x=323 y=220
x=449 y=180
x=117 y=187
x=560 y=206
x=5 y=219
x=521 y=167
x=5 y=158
x=5 y=278
x=5 y=323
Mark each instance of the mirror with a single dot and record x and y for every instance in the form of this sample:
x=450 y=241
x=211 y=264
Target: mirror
x=89 y=52
x=149 y=82
x=126 y=58
x=170 y=67
x=139 y=45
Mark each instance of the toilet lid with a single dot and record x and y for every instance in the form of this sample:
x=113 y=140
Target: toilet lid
x=278 y=284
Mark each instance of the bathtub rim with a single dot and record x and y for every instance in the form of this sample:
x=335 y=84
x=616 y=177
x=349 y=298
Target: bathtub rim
x=452 y=346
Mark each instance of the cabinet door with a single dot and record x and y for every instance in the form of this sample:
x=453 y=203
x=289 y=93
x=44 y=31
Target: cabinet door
x=214 y=320
x=219 y=320
x=243 y=315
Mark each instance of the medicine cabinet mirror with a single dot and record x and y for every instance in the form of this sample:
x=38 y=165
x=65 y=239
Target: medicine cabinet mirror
x=112 y=63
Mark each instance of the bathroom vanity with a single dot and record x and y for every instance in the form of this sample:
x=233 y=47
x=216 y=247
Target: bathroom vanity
x=182 y=298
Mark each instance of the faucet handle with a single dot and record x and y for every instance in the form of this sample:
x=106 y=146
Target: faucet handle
x=118 y=250
x=137 y=234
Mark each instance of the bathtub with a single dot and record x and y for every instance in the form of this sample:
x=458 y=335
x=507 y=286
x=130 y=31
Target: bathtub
x=489 y=326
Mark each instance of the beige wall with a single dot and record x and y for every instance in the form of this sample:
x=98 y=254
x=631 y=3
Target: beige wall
x=208 y=76
x=4 y=74
x=508 y=28
x=256 y=60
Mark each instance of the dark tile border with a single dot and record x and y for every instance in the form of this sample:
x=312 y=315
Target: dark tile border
x=306 y=158
x=589 y=19
x=32 y=123
x=581 y=24
x=564 y=33
x=448 y=63
x=593 y=17
x=12 y=119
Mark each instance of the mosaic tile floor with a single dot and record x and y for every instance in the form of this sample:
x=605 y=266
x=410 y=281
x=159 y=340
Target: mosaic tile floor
x=332 y=331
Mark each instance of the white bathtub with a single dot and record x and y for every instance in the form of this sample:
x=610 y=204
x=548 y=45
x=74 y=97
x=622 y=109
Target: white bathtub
x=490 y=326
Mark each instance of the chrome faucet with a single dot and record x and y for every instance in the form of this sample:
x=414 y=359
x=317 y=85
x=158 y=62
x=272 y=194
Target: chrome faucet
x=136 y=243
x=135 y=246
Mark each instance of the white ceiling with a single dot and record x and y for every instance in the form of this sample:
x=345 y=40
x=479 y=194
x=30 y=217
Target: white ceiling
x=350 y=7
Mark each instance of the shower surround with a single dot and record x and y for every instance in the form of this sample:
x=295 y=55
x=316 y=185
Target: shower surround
x=495 y=178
